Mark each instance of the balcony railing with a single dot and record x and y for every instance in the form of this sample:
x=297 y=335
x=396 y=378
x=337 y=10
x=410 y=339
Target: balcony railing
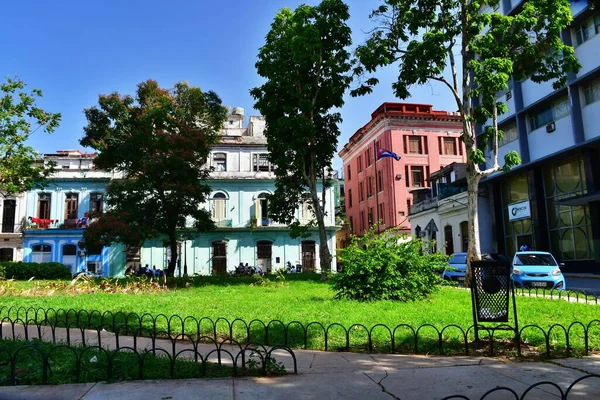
x=426 y=204
x=42 y=224
x=224 y=223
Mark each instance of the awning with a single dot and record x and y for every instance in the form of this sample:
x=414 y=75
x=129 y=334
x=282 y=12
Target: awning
x=580 y=200
x=431 y=226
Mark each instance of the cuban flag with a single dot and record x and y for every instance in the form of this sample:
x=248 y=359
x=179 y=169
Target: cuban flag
x=386 y=153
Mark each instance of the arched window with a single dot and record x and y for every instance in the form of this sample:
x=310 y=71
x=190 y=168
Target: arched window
x=219 y=207
x=69 y=250
x=418 y=231
x=41 y=253
x=262 y=209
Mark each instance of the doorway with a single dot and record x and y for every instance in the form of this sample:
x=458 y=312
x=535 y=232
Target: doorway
x=525 y=240
x=69 y=257
x=219 y=258
x=308 y=256
x=449 y=239
x=264 y=255
x=6 y=255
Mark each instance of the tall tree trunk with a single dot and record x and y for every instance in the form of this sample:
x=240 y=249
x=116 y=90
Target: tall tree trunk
x=174 y=255
x=473 y=250
x=324 y=253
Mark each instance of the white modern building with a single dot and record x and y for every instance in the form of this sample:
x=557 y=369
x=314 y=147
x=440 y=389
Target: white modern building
x=241 y=181
x=552 y=200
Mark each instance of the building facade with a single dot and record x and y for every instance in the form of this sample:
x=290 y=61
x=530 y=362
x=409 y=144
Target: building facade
x=56 y=216
x=439 y=214
x=552 y=200
x=379 y=190
x=241 y=181
x=12 y=217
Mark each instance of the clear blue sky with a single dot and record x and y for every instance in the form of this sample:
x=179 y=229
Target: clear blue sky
x=75 y=50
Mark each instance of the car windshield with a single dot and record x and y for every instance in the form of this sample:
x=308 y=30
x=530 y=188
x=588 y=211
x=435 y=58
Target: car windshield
x=458 y=259
x=535 y=259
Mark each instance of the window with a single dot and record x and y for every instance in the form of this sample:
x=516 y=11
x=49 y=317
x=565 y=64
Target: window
x=379 y=181
x=96 y=202
x=261 y=210
x=41 y=253
x=349 y=173
x=362 y=221
x=369 y=157
x=351 y=223
x=510 y=135
x=94 y=267
x=71 y=203
x=587 y=29
x=407 y=207
x=220 y=162
x=349 y=198
x=219 y=207
x=44 y=205
x=406 y=176
x=369 y=186
x=381 y=214
x=361 y=192
x=591 y=92
x=417 y=177
x=8 y=215
x=414 y=145
x=449 y=146
x=360 y=164
x=552 y=112
x=370 y=216
x=260 y=162
x=307 y=213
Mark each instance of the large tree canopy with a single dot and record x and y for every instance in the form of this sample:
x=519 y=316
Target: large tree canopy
x=306 y=67
x=21 y=167
x=473 y=51
x=160 y=141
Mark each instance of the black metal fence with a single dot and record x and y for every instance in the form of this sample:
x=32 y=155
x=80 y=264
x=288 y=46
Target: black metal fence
x=32 y=363
x=551 y=389
x=577 y=338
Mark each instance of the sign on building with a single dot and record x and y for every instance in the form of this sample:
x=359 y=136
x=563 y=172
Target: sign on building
x=519 y=210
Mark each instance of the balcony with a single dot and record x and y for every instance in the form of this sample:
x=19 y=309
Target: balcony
x=450 y=189
x=43 y=224
x=225 y=223
x=424 y=205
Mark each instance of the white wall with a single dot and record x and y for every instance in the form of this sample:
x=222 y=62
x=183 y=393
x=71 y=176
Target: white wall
x=502 y=151
x=590 y=115
x=533 y=92
x=542 y=143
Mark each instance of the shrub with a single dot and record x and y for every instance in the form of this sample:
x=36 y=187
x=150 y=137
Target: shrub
x=377 y=267
x=24 y=270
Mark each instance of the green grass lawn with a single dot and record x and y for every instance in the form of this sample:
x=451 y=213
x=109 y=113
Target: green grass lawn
x=313 y=301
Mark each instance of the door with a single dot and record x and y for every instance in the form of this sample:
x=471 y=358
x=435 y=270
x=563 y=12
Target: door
x=219 y=258
x=464 y=236
x=449 y=240
x=6 y=255
x=308 y=256
x=69 y=257
x=8 y=216
x=264 y=255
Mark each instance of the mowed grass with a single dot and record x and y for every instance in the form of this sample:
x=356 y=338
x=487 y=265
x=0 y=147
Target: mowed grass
x=309 y=301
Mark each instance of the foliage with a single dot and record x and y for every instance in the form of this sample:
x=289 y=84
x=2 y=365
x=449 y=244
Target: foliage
x=21 y=168
x=26 y=270
x=472 y=51
x=160 y=141
x=306 y=65
x=378 y=267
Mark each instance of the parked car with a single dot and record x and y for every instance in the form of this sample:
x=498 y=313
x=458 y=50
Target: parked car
x=457 y=268
x=537 y=269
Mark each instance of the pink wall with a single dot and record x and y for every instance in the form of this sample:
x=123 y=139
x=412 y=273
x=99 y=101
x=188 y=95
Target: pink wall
x=392 y=125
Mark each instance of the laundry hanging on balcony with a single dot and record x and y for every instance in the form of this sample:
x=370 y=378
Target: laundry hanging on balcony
x=42 y=223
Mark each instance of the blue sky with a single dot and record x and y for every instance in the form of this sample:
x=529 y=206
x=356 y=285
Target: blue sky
x=75 y=50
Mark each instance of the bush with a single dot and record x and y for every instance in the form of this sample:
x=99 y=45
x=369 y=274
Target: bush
x=24 y=271
x=377 y=267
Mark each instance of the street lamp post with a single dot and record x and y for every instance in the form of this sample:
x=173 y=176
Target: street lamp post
x=185 y=239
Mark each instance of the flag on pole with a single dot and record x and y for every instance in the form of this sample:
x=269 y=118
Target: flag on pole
x=386 y=153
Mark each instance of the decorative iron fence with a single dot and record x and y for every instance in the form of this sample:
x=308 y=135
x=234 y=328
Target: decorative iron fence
x=578 y=338
x=551 y=389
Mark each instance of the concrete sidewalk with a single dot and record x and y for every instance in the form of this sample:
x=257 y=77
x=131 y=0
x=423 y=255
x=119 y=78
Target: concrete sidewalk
x=330 y=375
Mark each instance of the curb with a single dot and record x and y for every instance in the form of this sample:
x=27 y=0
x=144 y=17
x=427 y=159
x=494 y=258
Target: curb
x=581 y=276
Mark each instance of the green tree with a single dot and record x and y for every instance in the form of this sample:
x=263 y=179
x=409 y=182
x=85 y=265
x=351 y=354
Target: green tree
x=306 y=66
x=159 y=142
x=21 y=167
x=473 y=52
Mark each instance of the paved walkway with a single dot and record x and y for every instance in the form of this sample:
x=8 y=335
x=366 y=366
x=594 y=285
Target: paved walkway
x=331 y=375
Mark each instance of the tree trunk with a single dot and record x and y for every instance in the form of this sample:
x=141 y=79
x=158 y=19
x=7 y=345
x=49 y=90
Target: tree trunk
x=324 y=254
x=473 y=250
x=174 y=255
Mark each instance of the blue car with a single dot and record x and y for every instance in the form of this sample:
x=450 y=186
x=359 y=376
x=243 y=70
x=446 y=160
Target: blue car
x=537 y=269
x=457 y=268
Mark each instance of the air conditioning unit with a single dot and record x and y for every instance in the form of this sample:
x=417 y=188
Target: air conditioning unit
x=551 y=127
x=81 y=253
x=509 y=95
x=398 y=176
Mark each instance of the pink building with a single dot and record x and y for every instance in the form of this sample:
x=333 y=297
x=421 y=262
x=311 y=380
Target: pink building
x=379 y=190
